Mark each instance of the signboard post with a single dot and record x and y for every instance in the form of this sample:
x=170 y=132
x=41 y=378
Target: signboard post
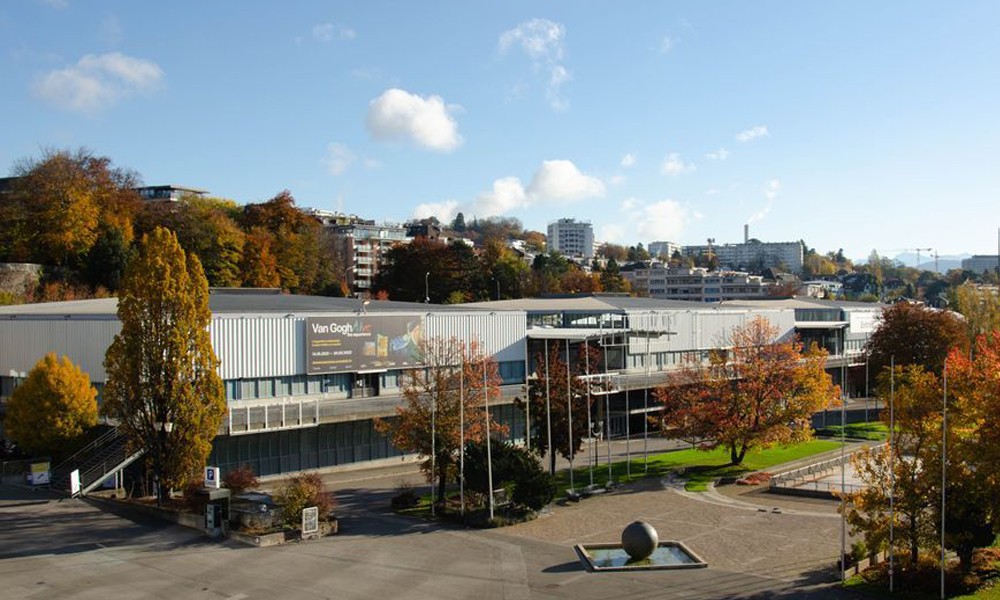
x=39 y=473
x=310 y=521
x=212 y=477
x=362 y=342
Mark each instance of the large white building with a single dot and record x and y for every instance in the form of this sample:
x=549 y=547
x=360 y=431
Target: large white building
x=694 y=284
x=290 y=407
x=753 y=255
x=982 y=263
x=572 y=238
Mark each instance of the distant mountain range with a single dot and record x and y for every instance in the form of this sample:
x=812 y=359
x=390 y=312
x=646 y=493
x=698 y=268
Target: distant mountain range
x=927 y=263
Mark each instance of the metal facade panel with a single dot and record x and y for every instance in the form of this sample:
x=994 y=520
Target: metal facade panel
x=256 y=346
x=700 y=329
x=502 y=334
x=24 y=343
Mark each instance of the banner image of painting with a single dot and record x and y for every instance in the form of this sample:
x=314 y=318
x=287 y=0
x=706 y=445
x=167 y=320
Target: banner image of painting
x=362 y=342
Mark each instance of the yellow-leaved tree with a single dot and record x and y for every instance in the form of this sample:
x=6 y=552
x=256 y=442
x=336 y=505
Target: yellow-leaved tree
x=162 y=385
x=54 y=406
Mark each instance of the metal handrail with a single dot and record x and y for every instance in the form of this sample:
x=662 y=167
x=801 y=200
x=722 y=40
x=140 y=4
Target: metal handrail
x=101 y=440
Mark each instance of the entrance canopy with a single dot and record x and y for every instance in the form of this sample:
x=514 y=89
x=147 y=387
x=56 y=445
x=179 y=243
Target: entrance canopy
x=571 y=334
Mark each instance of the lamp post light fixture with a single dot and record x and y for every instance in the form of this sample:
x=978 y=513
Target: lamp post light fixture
x=162 y=429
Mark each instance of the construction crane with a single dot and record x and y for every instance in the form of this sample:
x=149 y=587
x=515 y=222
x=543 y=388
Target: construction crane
x=918 y=251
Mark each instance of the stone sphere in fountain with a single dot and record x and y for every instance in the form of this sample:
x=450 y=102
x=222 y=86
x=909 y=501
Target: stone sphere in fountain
x=639 y=540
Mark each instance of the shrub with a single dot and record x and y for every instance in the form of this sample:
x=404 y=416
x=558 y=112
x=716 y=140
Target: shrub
x=515 y=469
x=754 y=478
x=240 y=479
x=303 y=491
x=194 y=499
x=406 y=497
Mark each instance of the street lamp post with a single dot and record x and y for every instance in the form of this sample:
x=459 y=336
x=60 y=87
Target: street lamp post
x=427 y=288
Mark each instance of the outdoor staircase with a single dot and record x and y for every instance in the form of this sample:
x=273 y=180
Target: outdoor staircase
x=95 y=462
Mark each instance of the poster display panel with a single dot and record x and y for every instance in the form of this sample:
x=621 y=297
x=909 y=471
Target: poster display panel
x=362 y=342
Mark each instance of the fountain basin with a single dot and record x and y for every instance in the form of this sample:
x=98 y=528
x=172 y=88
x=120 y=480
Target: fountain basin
x=667 y=555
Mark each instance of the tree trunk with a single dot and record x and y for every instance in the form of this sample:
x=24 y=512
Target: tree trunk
x=736 y=455
x=442 y=475
x=552 y=462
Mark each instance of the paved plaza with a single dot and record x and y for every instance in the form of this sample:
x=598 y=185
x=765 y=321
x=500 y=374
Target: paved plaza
x=756 y=544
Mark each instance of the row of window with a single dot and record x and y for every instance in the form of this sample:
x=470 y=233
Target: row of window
x=347 y=384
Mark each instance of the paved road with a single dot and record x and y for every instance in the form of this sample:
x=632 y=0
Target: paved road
x=52 y=549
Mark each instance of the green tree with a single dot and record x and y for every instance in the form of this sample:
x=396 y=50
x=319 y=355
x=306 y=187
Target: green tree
x=917 y=412
x=303 y=261
x=550 y=395
x=258 y=266
x=454 y=272
x=515 y=469
x=52 y=408
x=754 y=393
x=912 y=334
x=60 y=203
x=980 y=307
x=208 y=228
x=162 y=385
x=444 y=397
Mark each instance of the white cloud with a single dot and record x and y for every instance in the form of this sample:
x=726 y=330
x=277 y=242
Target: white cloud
x=508 y=193
x=616 y=179
x=555 y=181
x=667 y=44
x=674 y=166
x=771 y=189
x=445 y=211
x=720 y=154
x=338 y=158
x=628 y=160
x=327 y=32
x=541 y=41
x=628 y=205
x=96 y=82
x=712 y=191
x=611 y=233
x=400 y=115
x=663 y=220
x=753 y=133
x=561 y=180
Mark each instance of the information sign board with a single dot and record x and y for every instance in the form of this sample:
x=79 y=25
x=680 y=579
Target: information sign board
x=362 y=342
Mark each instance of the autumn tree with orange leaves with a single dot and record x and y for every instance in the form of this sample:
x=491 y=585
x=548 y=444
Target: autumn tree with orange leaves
x=446 y=397
x=754 y=392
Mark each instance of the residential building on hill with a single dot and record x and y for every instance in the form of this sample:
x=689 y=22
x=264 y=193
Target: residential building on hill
x=664 y=250
x=363 y=244
x=694 y=284
x=167 y=193
x=982 y=263
x=753 y=255
x=572 y=238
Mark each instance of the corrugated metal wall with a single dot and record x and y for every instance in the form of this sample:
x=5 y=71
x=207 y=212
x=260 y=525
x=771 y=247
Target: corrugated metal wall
x=699 y=329
x=248 y=346
x=258 y=346
x=24 y=342
x=502 y=335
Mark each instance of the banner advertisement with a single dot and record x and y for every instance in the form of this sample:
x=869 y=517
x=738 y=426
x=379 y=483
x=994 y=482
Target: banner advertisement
x=362 y=342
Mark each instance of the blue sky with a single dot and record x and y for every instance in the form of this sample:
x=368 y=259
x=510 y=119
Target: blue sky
x=854 y=125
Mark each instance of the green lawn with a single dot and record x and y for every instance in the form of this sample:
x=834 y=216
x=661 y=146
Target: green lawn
x=700 y=467
x=990 y=592
x=875 y=430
